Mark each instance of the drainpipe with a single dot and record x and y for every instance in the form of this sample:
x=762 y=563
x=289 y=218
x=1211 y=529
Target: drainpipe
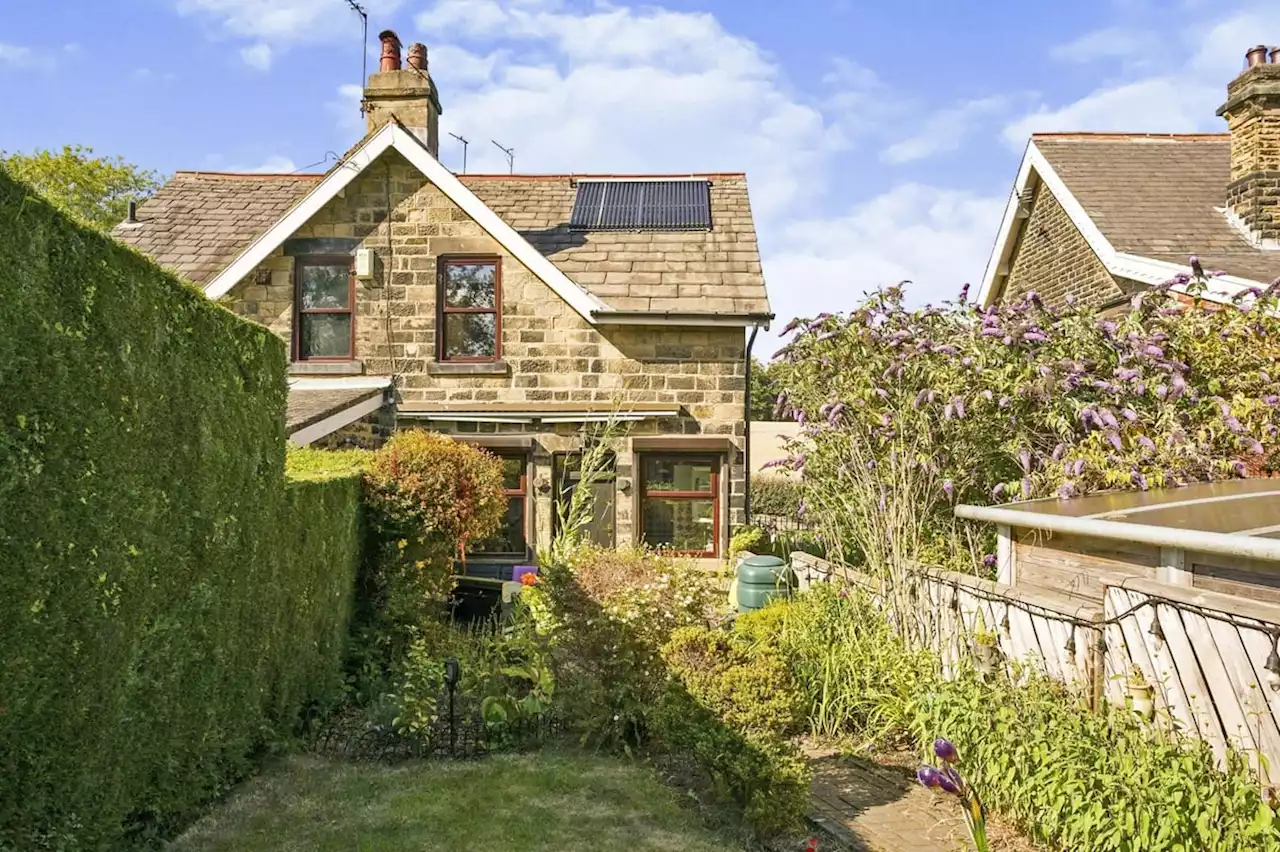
x=746 y=444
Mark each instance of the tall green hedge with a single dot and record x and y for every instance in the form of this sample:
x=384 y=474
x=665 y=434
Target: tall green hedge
x=166 y=604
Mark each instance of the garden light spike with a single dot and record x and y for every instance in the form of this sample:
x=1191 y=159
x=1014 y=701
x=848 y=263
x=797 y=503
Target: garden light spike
x=1273 y=664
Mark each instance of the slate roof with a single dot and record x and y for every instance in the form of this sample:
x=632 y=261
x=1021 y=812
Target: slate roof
x=198 y=223
x=311 y=405
x=1158 y=196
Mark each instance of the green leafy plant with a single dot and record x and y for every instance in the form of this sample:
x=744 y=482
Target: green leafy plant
x=426 y=496
x=95 y=191
x=772 y=494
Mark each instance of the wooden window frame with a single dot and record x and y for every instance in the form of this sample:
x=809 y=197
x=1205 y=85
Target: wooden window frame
x=298 y=313
x=442 y=311
x=716 y=461
x=523 y=493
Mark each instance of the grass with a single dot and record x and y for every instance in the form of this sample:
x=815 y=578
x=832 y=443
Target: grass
x=547 y=801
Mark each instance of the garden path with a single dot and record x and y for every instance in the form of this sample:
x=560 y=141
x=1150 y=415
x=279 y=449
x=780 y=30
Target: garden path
x=874 y=807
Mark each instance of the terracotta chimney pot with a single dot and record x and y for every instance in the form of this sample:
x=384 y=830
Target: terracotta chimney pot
x=1256 y=56
x=418 y=56
x=390 y=60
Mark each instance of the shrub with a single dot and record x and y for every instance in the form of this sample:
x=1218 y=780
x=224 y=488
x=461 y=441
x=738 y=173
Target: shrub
x=775 y=495
x=427 y=495
x=166 y=604
x=732 y=707
x=962 y=404
x=606 y=615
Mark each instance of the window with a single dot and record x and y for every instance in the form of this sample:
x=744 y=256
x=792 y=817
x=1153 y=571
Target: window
x=680 y=503
x=324 y=327
x=510 y=539
x=470 y=309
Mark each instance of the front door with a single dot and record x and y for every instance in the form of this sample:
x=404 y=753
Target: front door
x=566 y=471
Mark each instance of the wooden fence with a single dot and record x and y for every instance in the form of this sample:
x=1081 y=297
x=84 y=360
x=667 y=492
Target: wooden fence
x=1204 y=667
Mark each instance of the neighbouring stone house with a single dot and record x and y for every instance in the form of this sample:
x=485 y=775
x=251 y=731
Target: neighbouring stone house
x=1100 y=216
x=505 y=310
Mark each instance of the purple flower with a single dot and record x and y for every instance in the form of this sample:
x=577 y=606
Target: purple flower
x=948 y=410
x=1078 y=467
x=1024 y=457
x=1127 y=374
x=958 y=403
x=1177 y=385
x=988 y=395
x=1255 y=447
x=1114 y=439
x=1262 y=374
x=882 y=393
x=773 y=463
x=990 y=332
x=1129 y=414
x=1146 y=443
x=1139 y=480
x=998 y=492
x=799 y=416
x=1066 y=490
x=928 y=776
x=1108 y=419
x=1026 y=487
x=1153 y=351
x=964 y=293
x=945 y=751
x=1108 y=327
x=1271 y=399
x=1233 y=424
x=949 y=488
x=1238 y=468
x=989 y=560
x=886 y=420
x=1034 y=336
x=1004 y=402
x=921 y=398
x=1058 y=451
x=1161 y=391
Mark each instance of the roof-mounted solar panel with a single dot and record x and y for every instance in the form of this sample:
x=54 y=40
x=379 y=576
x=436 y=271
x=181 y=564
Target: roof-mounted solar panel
x=642 y=205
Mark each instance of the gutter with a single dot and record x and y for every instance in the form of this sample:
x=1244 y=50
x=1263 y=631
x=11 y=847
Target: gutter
x=746 y=439
x=756 y=319
x=1227 y=544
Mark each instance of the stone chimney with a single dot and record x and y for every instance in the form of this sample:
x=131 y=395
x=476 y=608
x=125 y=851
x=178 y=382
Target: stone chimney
x=1252 y=112
x=405 y=94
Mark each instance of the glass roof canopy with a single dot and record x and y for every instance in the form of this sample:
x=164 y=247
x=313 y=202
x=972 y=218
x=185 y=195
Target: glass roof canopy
x=1238 y=516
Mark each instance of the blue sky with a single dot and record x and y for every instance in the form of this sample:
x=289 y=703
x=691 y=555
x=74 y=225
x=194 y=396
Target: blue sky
x=880 y=138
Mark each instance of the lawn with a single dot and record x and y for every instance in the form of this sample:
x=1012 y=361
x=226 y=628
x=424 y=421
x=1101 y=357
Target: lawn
x=547 y=801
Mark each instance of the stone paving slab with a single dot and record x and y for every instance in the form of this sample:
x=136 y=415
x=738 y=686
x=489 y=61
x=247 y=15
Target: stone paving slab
x=868 y=807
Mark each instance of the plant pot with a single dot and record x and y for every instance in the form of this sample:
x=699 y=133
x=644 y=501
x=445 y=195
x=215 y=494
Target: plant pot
x=985 y=657
x=1142 y=699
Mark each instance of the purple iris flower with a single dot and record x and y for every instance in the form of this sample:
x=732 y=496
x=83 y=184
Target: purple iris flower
x=989 y=560
x=945 y=751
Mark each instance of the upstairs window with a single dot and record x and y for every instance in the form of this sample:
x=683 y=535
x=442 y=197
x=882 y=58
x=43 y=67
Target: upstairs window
x=324 y=295
x=470 y=311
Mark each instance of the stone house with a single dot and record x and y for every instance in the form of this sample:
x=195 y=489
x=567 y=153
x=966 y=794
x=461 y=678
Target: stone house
x=510 y=311
x=1100 y=216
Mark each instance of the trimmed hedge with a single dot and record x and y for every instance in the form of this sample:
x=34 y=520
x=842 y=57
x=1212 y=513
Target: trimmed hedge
x=166 y=604
x=776 y=495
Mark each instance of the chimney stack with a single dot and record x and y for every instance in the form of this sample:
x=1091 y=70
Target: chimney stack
x=404 y=94
x=1252 y=111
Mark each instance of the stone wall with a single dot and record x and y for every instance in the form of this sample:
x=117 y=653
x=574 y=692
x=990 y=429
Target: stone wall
x=550 y=354
x=1053 y=259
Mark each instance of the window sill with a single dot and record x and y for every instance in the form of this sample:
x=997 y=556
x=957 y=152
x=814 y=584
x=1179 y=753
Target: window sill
x=354 y=367
x=468 y=368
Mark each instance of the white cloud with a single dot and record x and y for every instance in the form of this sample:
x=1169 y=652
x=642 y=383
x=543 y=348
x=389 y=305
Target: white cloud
x=281 y=21
x=937 y=238
x=257 y=56
x=944 y=131
x=20 y=56
x=275 y=164
x=1196 y=63
x=1107 y=43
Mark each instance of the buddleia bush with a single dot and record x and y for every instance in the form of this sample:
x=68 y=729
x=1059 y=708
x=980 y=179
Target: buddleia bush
x=907 y=412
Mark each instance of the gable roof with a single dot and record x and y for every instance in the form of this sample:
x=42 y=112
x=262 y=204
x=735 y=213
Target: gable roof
x=1143 y=202
x=216 y=227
